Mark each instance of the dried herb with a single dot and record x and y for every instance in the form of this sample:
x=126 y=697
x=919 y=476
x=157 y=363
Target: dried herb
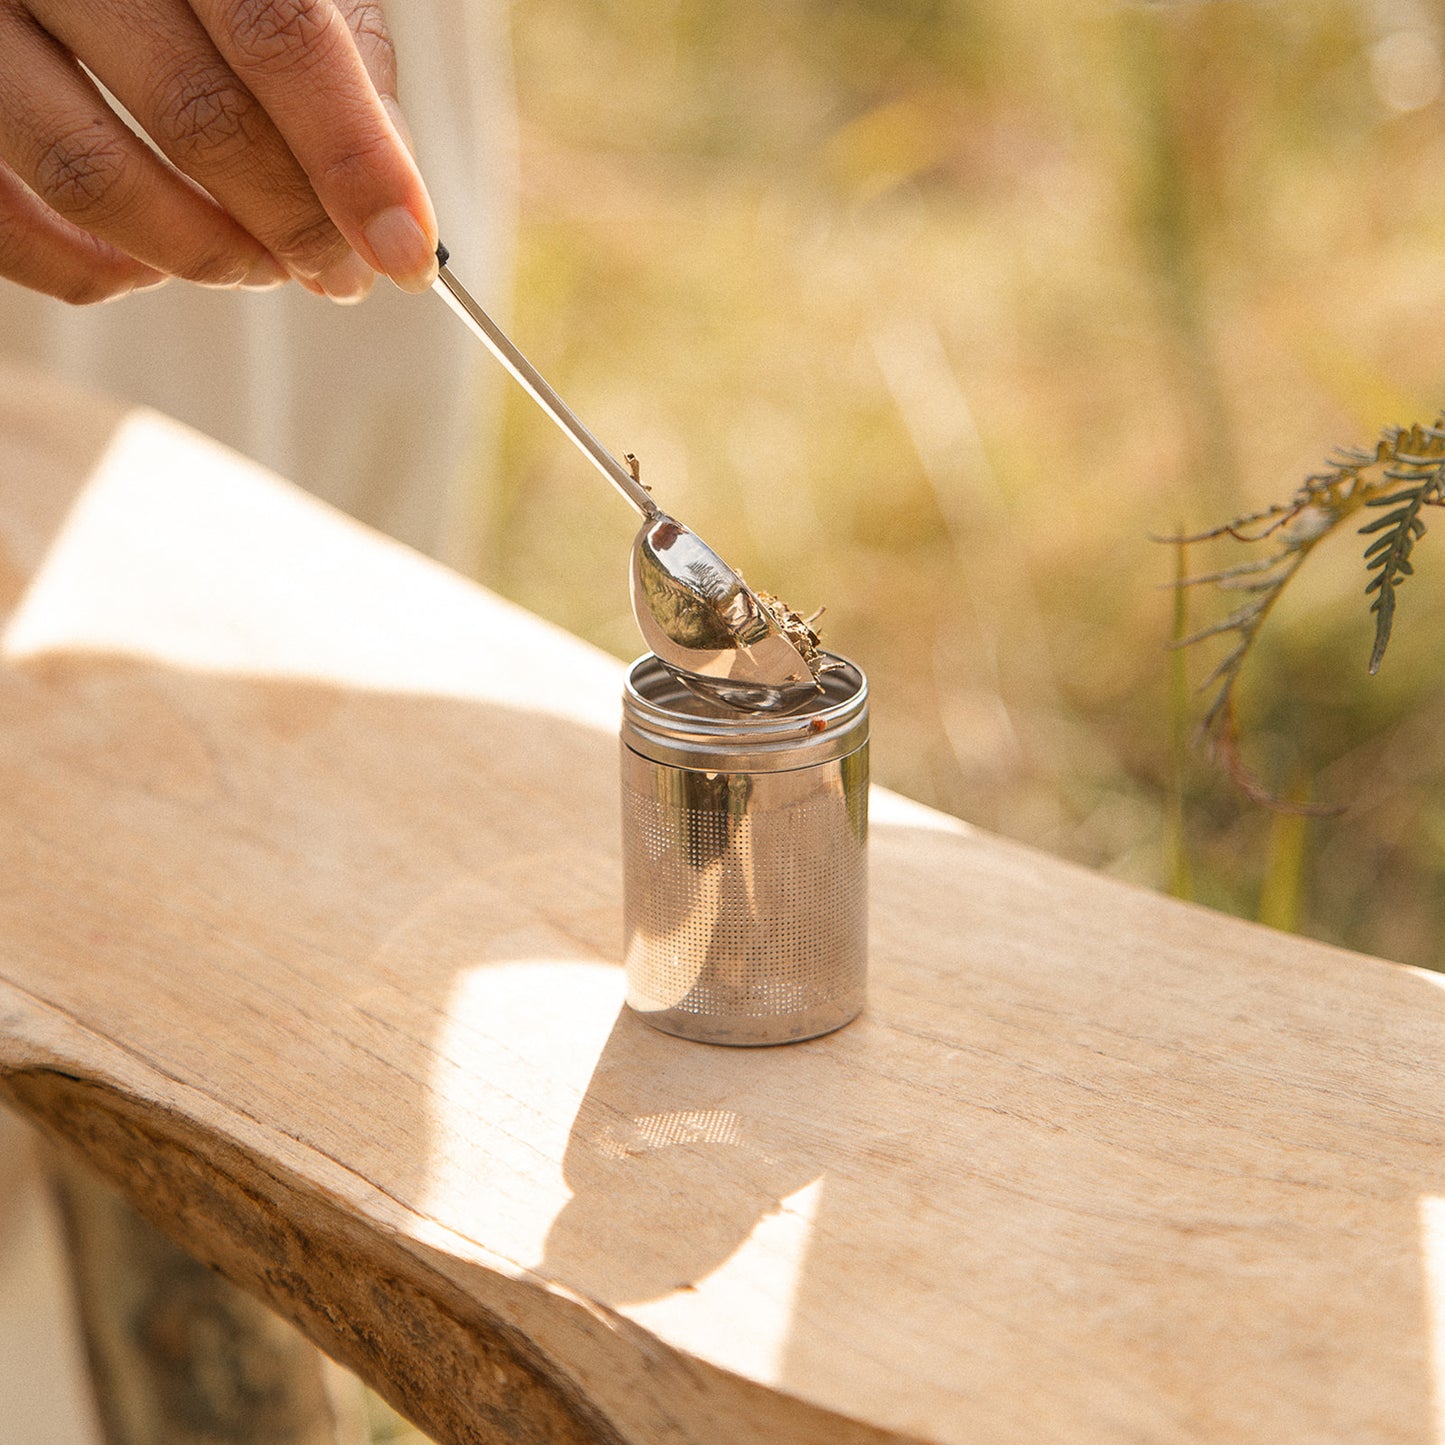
x=795 y=628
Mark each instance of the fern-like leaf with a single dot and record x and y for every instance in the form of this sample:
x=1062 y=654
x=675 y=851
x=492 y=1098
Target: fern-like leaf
x=1388 y=556
x=1404 y=473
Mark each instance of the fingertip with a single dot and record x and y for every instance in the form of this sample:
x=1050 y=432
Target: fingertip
x=348 y=281
x=402 y=248
x=266 y=274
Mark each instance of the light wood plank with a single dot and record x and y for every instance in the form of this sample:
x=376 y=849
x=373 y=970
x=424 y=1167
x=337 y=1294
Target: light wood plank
x=308 y=938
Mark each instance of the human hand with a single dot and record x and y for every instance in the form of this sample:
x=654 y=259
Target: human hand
x=281 y=134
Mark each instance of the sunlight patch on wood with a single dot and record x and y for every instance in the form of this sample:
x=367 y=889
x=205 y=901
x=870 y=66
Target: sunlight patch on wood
x=887 y=809
x=497 y=1153
x=769 y=1264
x=297 y=593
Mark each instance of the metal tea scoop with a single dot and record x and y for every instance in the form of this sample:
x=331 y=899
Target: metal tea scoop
x=698 y=617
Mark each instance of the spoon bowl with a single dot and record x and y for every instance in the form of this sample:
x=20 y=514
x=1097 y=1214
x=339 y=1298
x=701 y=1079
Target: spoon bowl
x=712 y=631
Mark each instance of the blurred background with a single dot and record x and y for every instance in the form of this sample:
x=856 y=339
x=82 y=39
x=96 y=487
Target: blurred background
x=934 y=312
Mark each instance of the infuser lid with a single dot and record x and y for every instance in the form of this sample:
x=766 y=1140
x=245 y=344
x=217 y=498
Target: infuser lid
x=664 y=721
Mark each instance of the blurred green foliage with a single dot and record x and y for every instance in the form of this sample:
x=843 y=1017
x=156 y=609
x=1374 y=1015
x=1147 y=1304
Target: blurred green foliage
x=933 y=312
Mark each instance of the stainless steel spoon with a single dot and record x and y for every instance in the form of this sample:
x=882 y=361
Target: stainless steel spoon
x=696 y=614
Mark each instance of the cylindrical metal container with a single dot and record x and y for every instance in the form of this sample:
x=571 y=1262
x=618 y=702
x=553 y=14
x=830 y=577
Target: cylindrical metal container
x=745 y=860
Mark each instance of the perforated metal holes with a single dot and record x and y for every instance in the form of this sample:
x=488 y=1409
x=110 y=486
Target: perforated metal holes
x=746 y=897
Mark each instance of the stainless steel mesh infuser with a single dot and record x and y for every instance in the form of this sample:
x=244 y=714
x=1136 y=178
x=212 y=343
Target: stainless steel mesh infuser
x=744 y=860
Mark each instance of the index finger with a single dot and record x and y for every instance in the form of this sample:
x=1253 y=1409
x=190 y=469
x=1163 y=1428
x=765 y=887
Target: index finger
x=299 y=59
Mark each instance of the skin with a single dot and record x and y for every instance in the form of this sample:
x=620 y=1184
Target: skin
x=284 y=148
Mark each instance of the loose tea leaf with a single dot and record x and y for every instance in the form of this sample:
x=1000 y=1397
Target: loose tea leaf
x=794 y=628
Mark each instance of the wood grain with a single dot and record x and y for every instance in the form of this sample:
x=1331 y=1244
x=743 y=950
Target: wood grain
x=308 y=938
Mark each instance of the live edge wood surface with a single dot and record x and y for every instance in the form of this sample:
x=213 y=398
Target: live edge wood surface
x=309 y=940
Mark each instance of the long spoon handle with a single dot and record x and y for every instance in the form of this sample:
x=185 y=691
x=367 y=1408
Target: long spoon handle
x=504 y=349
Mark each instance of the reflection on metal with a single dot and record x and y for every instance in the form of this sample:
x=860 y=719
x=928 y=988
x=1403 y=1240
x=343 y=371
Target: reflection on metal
x=710 y=629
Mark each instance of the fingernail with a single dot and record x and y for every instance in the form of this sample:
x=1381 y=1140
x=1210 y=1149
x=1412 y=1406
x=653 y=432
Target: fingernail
x=402 y=248
x=348 y=281
x=265 y=275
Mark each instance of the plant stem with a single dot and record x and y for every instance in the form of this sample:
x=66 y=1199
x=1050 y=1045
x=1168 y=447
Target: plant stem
x=1181 y=880
x=1281 y=895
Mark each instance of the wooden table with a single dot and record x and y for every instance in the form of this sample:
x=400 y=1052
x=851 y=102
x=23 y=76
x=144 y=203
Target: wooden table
x=309 y=942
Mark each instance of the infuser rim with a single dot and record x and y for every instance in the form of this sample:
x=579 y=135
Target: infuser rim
x=664 y=721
